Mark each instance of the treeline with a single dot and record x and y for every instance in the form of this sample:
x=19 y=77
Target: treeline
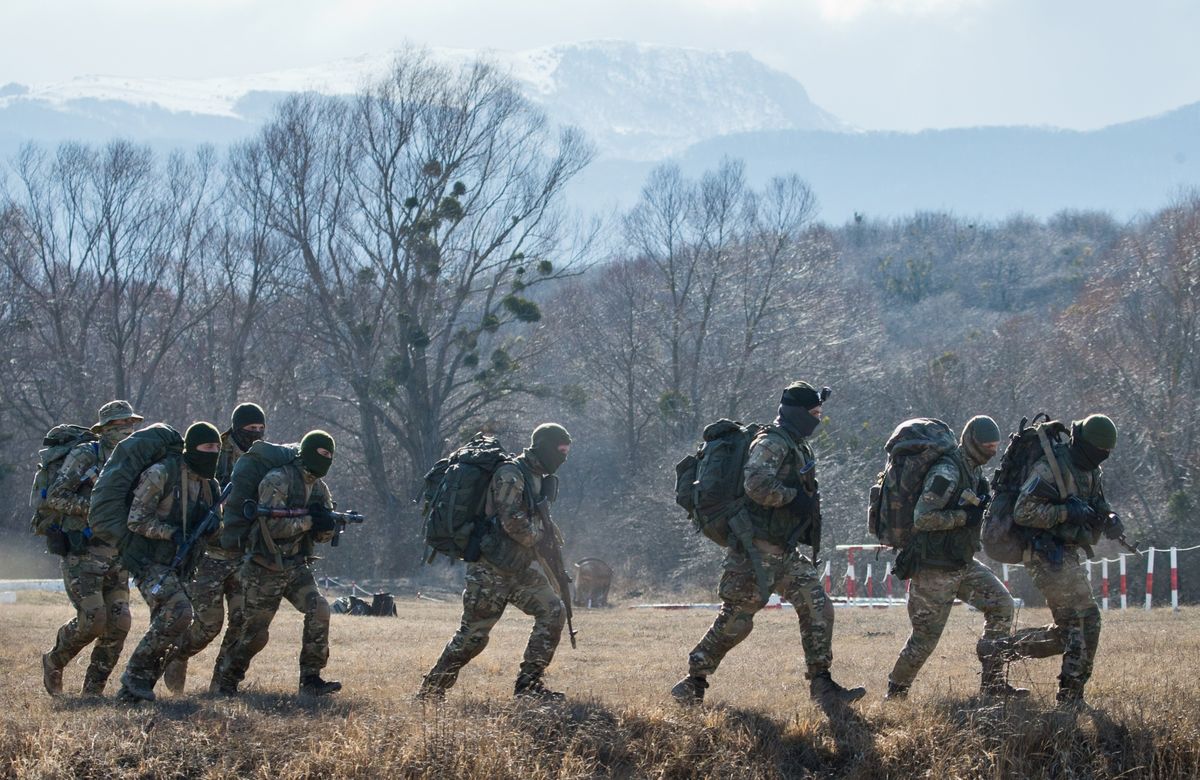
x=400 y=268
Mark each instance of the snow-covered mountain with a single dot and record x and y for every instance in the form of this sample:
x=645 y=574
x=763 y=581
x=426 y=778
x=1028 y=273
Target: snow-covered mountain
x=635 y=101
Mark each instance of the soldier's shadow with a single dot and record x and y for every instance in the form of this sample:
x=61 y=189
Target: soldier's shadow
x=277 y=703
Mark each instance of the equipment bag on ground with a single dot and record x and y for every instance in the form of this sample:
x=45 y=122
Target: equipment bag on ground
x=57 y=443
x=455 y=496
x=912 y=449
x=113 y=492
x=1003 y=541
x=247 y=473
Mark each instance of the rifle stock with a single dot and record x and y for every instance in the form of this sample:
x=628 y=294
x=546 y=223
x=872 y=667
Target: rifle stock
x=549 y=555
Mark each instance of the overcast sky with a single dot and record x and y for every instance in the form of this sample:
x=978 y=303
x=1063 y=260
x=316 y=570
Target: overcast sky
x=878 y=64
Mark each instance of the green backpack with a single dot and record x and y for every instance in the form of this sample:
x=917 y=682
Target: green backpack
x=248 y=472
x=709 y=484
x=1003 y=541
x=113 y=492
x=912 y=449
x=455 y=496
x=57 y=443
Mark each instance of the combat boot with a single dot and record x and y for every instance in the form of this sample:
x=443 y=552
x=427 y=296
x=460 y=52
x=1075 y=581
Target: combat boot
x=313 y=685
x=896 y=692
x=1070 y=696
x=134 y=691
x=434 y=686
x=822 y=688
x=51 y=676
x=690 y=690
x=530 y=686
x=992 y=681
x=175 y=675
x=222 y=687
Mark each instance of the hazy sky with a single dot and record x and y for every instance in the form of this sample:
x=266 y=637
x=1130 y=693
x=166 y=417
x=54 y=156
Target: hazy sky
x=879 y=64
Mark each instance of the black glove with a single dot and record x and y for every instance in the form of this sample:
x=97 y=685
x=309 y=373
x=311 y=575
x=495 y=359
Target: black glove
x=322 y=520
x=56 y=541
x=1079 y=512
x=1114 y=529
x=974 y=516
x=178 y=537
x=803 y=504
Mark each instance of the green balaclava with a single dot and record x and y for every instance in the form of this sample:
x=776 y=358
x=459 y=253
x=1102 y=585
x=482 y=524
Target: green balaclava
x=243 y=415
x=202 y=464
x=313 y=461
x=548 y=445
x=980 y=429
x=1092 y=439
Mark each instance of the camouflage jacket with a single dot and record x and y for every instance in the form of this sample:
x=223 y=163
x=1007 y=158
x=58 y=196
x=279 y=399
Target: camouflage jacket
x=71 y=489
x=941 y=538
x=1034 y=511
x=777 y=467
x=512 y=493
x=289 y=487
x=230 y=453
x=167 y=498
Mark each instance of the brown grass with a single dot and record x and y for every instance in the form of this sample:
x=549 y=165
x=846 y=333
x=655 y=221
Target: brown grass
x=618 y=720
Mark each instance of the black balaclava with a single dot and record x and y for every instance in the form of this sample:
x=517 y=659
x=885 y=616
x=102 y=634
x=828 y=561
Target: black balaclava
x=243 y=415
x=545 y=443
x=795 y=414
x=202 y=464
x=1092 y=440
x=312 y=460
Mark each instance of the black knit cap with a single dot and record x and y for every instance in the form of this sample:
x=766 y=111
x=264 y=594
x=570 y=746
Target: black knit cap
x=247 y=414
x=200 y=433
x=803 y=394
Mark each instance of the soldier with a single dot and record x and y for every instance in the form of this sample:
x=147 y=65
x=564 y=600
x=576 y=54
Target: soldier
x=1062 y=530
x=278 y=566
x=784 y=506
x=96 y=584
x=941 y=561
x=217 y=576
x=170 y=497
x=505 y=575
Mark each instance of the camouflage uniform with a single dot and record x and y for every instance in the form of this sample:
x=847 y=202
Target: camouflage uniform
x=1075 y=632
x=775 y=470
x=216 y=581
x=504 y=576
x=96 y=584
x=164 y=502
x=943 y=535
x=280 y=569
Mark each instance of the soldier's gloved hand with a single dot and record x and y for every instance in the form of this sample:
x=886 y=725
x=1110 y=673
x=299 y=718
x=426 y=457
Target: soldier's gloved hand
x=322 y=521
x=1078 y=512
x=1114 y=529
x=974 y=516
x=803 y=503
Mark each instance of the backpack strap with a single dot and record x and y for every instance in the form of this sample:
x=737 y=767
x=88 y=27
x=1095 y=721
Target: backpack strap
x=1052 y=459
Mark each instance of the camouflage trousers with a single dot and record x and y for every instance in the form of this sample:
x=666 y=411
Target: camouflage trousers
x=794 y=578
x=488 y=591
x=930 y=598
x=1075 y=632
x=170 y=616
x=216 y=581
x=98 y=589
x=264 y=589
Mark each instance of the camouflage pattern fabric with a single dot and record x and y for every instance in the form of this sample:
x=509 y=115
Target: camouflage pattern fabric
x=264 y=588
x=942 y=483
x=488 y=591
x=1075 y=632
x=795 y=579
x=216 y=581
x=771 y=476
x=72 y=486
x=230 y=454
x=99 y=590
x=1036 y=512
x=930 y=599
x=170 y=616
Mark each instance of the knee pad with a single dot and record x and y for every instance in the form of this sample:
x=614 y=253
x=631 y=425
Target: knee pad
x=119 y=619
x=318 y=607
x=556 y=615
x=92 y=622
x=179 y=618
x=258 y=641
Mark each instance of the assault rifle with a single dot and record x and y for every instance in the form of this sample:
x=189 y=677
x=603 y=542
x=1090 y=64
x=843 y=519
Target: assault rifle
x=549 y=550
x=207 y=526
x=251 y=510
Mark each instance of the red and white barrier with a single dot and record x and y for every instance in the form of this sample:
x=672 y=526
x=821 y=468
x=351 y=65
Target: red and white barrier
x=851 y=580
x=1174 y=579
x=1104 y=584
x=1124 y=585
x=1149 y=577
x=828 y=577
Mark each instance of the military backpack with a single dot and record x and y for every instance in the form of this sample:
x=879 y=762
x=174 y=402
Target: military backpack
x=709 y=484
x=248 y=472
x=1002 y=540
x=455 y=498
x=112 y=494
x=57 y=444
x=912 y=449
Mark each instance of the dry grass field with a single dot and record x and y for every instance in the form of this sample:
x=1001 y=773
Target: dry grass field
x=618 y=720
